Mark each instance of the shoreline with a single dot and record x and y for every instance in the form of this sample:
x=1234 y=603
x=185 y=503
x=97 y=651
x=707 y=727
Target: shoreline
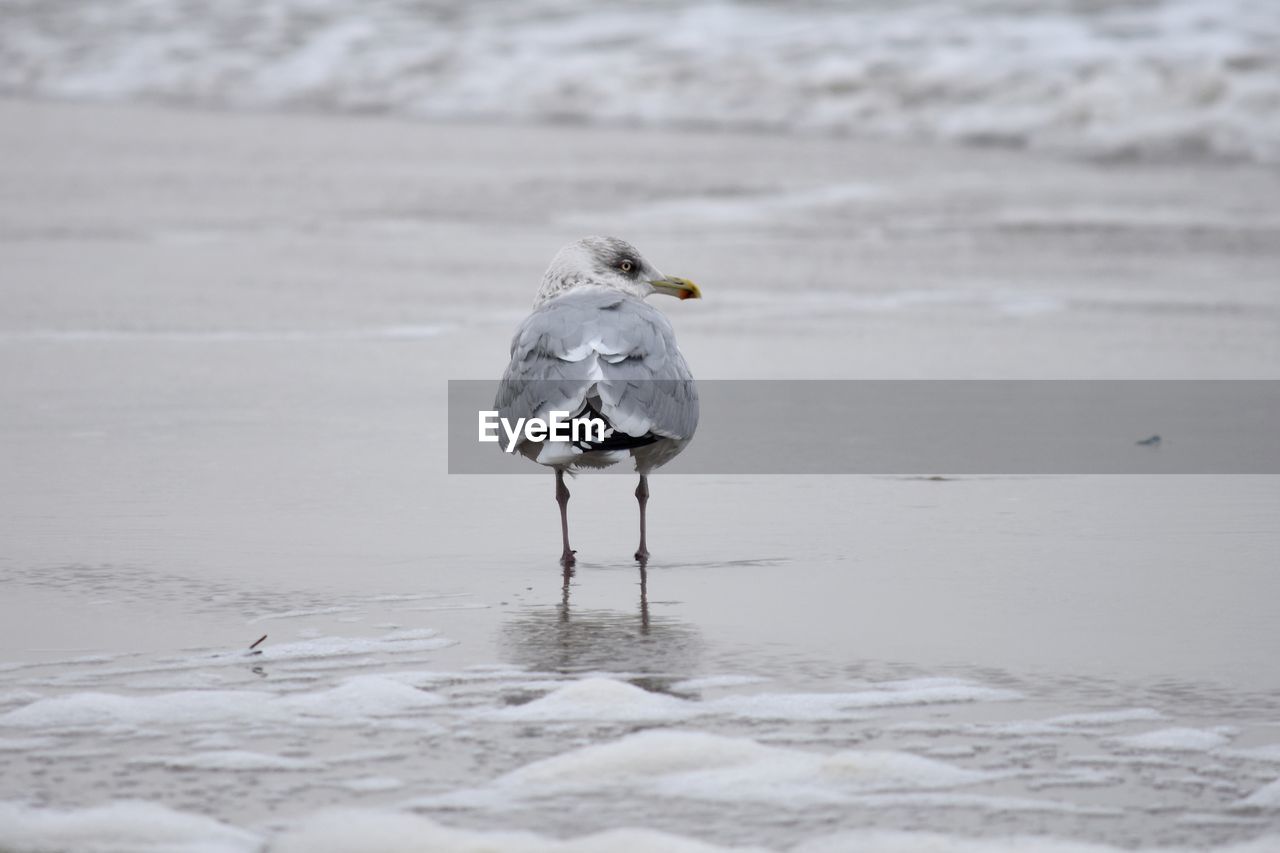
x=226 y=347
x=1120 y=161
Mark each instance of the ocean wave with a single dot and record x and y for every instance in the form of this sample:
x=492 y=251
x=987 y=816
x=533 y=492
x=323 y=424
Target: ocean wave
x=1091 y=77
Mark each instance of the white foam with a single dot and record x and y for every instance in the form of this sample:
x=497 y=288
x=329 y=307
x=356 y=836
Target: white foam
x=355 y=698
x=97 y=709
x=16 y=697
x=601 y=699
x=878 y=841
x=137 y=827
x=1269 y=753
x=1106 y=718
x=231 y=759
x=363 y=696
x=1074 y=778
x=898 y=842
x=351 y=831
x=213 y=741
x=1179 y=739
x=1267 y=797
x=1025 y=729
x=892 y=694
x=714 y=767
x=371 y=784
x=608 y=699
x=319 y=652
x=123 y=827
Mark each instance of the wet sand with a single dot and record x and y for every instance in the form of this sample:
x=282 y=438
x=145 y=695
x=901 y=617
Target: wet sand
x=225 y=347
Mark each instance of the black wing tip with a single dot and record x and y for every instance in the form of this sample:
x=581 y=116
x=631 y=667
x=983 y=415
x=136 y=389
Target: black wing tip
x=614 y=438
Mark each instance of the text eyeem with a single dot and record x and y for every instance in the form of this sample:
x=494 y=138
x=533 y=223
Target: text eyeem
x=558 y=428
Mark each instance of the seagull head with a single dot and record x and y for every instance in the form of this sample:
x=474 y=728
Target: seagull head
x=609 y=262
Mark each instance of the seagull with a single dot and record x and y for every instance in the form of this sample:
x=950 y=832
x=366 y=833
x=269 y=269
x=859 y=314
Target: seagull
x=594 y=348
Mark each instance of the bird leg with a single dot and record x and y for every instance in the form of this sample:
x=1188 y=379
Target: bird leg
x=642 y=498
x=644 y=600
x=562 y=498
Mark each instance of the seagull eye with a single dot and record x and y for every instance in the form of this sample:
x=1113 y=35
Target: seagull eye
x=626 y=266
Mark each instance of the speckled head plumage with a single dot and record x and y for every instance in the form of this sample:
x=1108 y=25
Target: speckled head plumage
x=608 y=262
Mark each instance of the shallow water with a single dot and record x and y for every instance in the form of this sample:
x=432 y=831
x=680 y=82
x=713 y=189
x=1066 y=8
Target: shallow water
x=215 y=430
x=898 y=684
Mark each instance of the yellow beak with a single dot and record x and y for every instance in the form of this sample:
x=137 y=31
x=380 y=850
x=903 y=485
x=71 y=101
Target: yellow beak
x=680 y=288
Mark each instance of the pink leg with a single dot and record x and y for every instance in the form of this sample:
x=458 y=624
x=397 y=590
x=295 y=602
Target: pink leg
x=642 y=498
x=562 y=498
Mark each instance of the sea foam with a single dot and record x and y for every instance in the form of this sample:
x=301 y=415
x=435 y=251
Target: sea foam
x=1179 y=77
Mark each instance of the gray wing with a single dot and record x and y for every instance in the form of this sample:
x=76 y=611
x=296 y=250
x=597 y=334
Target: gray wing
x=601 y=346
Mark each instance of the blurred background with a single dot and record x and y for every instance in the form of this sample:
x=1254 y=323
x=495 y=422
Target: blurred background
x=1089 y=77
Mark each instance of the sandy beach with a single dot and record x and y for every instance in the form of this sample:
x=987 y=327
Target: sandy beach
x=223 y=363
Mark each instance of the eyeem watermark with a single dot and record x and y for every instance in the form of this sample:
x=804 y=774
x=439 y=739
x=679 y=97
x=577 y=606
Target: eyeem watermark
x=916 y=427
x=560 y=427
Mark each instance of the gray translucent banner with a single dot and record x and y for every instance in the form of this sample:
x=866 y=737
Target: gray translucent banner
x=944 y=427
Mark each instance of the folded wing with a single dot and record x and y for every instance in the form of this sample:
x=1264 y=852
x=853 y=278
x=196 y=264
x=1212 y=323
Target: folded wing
x=595 y=348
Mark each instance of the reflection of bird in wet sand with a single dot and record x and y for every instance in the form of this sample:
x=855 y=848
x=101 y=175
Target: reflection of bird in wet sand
x=558 y=638
x=594 y=348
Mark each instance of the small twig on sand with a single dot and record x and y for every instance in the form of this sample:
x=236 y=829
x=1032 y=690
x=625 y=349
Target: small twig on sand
x=257 y=642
